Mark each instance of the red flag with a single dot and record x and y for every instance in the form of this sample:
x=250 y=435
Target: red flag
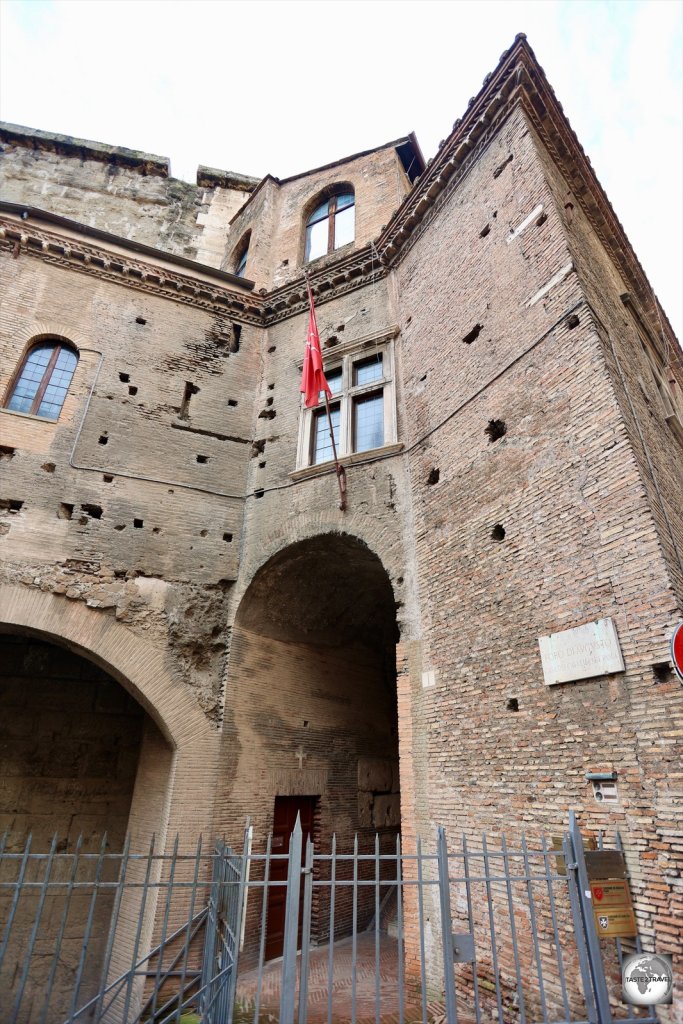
x=313 y=379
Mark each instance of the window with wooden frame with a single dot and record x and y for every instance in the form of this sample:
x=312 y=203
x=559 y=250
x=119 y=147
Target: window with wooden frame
x=42 y=382
x=331 y=225
x=362 y=408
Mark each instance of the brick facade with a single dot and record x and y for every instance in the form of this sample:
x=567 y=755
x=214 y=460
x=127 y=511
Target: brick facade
x=279 y=645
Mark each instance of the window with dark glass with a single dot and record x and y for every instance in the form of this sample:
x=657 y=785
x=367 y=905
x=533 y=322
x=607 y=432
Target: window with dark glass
x=361 y=407
x=368 y=422
x=321 y=443
x=241 y=255
x=241 y=264
x=43 y=380
x=330 y=226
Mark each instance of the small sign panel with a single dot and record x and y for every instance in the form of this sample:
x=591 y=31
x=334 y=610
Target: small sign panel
x=616 y=923
x=677 y=650
x=605 y=864
x=581 y=653
x=612 y=908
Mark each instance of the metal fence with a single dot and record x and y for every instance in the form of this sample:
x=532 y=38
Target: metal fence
x=473 y=931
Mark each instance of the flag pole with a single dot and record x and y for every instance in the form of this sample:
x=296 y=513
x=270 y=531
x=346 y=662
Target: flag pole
x=338 y=468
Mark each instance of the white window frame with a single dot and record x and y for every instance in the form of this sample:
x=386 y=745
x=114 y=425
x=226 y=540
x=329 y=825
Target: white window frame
x=346 y=357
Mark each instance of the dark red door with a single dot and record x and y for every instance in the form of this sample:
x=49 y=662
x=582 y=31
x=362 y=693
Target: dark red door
x=284 y=819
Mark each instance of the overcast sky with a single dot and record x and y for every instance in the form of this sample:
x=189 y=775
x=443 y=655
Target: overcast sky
x=284 y=86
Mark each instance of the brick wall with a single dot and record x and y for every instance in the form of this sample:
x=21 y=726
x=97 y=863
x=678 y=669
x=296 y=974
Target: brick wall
x=580 y=542
x=136 y=506
x=70 y=746
x=277 y=214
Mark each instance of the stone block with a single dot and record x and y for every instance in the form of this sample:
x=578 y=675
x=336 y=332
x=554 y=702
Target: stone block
x=374 y=775
x=386 y=811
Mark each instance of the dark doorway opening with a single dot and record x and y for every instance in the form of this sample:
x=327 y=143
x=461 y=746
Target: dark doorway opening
x=77 y=753
x=285 y=813
x=314 y=707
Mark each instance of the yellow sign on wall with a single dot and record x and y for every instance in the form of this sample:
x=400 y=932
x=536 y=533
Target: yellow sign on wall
x=612 y=908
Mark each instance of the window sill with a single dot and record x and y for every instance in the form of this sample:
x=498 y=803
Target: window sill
x=321 y=468
x=29 y=416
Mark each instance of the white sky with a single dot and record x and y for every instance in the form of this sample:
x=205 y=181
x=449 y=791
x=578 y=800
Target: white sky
x=284 y=86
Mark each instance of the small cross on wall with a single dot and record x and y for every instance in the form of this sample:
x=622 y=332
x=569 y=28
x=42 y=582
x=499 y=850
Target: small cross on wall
x=300 y=755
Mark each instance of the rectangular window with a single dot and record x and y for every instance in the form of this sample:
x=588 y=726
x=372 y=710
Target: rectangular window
x=368 y=422
x=334 y=379
x=365 y=371
x=320 y=434
x=362 y=407
x=344 y=226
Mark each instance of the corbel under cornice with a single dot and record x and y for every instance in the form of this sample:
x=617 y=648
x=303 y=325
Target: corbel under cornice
x=517 y=82
x=26 y=238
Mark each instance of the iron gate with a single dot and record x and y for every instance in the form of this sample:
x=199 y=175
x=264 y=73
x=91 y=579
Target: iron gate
x=461 y=933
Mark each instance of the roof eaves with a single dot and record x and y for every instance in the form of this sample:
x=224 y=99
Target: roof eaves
x=26 y=212
x=261 y=184
x=519 y=77
x=406 y=139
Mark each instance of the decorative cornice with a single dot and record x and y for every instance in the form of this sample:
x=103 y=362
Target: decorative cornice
x=27 y=239
x=357 y=270
x=519 y=80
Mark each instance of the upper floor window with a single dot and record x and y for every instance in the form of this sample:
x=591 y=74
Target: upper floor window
x=241 y=255
x=43 y=380
x=331 y=225
x=362 y=408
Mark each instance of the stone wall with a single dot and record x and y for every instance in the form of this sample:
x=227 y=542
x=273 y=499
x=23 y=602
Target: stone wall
x=121 y=191
x=133 y=500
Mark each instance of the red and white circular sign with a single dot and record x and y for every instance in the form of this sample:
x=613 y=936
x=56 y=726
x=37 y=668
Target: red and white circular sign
x=677 y=650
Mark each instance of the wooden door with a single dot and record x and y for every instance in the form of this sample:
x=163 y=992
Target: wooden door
x=284 y=818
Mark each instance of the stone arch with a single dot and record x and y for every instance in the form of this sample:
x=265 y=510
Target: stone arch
x=356 y=565
x=311 y=715
x=141 y=668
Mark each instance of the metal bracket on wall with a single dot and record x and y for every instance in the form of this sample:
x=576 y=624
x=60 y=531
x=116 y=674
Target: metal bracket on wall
x=463 y=948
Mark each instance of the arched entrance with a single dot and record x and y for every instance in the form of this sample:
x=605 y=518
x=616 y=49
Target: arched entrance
x=75 y=747
x=311 y=709
x=70 y=745
x=81 y=666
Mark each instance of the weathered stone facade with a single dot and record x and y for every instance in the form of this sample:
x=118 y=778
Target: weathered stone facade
x=168 y=527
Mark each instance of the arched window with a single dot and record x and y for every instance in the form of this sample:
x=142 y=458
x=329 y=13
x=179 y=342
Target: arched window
x=240 y=255
x=43 y=380
x=331 y=225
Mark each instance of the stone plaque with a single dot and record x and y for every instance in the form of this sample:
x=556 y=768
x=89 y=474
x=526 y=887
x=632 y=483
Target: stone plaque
x=605 y=864
x=581 y=653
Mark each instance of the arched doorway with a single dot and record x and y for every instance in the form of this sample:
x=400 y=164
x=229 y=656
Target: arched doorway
x=311 y=708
